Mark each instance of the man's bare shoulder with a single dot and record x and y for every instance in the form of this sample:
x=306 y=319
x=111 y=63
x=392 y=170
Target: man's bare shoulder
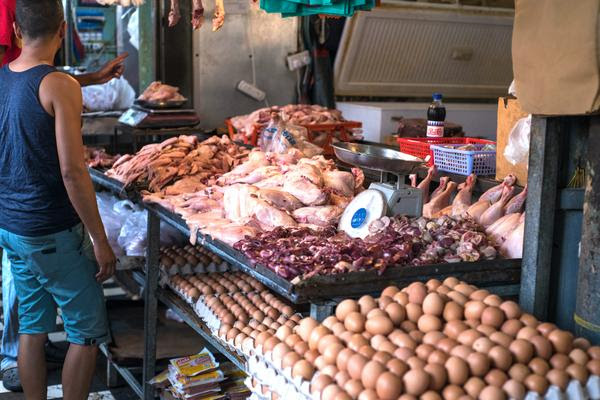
x=60 y=83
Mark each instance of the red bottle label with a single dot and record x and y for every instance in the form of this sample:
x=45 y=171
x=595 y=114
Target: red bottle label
x=435 y=129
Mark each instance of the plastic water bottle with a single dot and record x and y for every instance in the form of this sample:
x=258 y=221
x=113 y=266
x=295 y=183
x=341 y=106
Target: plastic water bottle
x=436 y=114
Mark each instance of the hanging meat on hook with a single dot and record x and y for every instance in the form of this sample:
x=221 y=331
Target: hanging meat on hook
x=174 y=14
x=219 y=16
x=197 y=14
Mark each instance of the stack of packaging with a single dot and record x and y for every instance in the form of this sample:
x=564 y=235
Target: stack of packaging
x=201 y=377
x=293 y=8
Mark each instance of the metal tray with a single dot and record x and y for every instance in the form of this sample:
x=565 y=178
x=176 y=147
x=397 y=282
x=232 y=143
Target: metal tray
x=376 y=157
x=160 y=105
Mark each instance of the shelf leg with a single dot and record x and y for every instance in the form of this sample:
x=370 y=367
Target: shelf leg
x=150 y=303
x=113 y=379
x=544 y=155
x=320 y=311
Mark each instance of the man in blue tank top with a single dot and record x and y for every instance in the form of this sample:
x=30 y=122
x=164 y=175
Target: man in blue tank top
x=48 y=206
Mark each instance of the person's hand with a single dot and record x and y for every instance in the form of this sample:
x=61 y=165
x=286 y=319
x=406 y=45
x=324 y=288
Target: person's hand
x=112 y=69
x=106 y=259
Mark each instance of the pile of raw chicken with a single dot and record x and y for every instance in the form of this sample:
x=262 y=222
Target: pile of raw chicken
x=295 y=114
x=221 y=193
x=158 y=92
x=497 y=210
x=96 y=157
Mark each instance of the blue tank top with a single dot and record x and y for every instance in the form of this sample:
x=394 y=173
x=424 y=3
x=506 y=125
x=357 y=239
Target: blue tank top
x=33 y=198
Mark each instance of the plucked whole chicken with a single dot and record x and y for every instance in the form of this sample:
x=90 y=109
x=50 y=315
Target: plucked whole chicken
x=197 y=18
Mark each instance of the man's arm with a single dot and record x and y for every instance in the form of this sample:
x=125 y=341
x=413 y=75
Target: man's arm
x=112 y=69
x=62 y=94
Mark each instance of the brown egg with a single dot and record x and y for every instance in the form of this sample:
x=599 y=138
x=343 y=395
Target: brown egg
x=367 y=351
x=357 y=341
x=542 y=346
x=292 y=339
x=443 y=290
x=376 y=312
x=341 y=378
x=560 y=361
x=464 y=289
x=429 y=323
x=305 y=327
x=317 y=335
x=353 y=388
x=492 y=316
x=330 y=370
x=562 y=341
x=327 y=341
x=301 y=347
x=446 y=345
x=495 y=377
x=415 y=362
x=303 y=369
x=408 y=326
x=320 y=382
x=438 y=376
x=366 y=303
x=468 y=337
x=558 y=378
x=451 y=282
x=593 y=367
x=396 y=313
x=283 y=332
x=539 y=366
x=483 y=345
x=492 y=393
x=457 y=370
x=474 y=386
x=382 y=357
x=417 y=335
x=454 y=328
x=511 y=327
x=397 y=366
x=289 y=359
x=383 y=302
x=346 y=307
x=527 y=332
x=501 y=357
x=433 y=304
x=432 y=338
x=404 y=340
x=493 y=300
x=578 y=372
x=413 y=312
x=387 y=347
x=485 y=330
x=311 y=356
x=581 y=343
x=501 y=338
x=594 y=352
x=332 y=351
x=537 y=384
x=330 y=321
x=416 y=381
x=338 y=329
x=579 y=356
x=389 y=386
x=367 y=394
x=280 y=350
x=521 y=350
x=437 y=357
x=519 y=372
x=401 y=298
x=529 y=320
x=511 y=309
x=416 y=293
x=355 y=365
x=461 y=351
x=424 y=350
x=330 y=392
x=270 y=343
x=379 y=325
x=346 y=336
x=457 y=297
x=545 y=328
x=432 y=395
x=342 y=359
x=452 y=311
x=514 y=389
x=452 y=392
x=474 y=309
x=479 y=364
x=370 y=373
x=473 y=323
x=355 y=322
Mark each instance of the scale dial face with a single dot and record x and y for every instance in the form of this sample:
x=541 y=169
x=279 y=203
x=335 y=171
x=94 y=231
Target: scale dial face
x=133 y=117
x=365 y=208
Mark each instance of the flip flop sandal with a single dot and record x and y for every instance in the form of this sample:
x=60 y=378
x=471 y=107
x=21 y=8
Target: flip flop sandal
x=11 y=381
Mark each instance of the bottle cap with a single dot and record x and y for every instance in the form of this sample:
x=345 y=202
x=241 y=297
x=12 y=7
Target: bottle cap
x=437 y=96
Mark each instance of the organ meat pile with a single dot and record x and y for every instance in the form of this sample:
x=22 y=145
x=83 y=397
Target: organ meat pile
x=292 y=252
x=296 y=114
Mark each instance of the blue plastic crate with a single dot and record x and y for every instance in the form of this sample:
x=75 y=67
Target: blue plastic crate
x=448 y=158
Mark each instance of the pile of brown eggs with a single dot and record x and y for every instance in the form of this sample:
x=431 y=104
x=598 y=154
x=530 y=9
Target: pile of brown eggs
x=193 y=256
x=431 y=341
x=194 y=286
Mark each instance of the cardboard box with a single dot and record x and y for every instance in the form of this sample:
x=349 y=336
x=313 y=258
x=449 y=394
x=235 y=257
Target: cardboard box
x=509 y=112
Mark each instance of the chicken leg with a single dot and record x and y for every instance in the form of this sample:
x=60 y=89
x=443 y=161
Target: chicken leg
x=515 y=204
x=462 y=201
x=496 y=211
x=439 y=202
x=424 y=185
x=174 y=14
x=494 y=194
x=440 y=189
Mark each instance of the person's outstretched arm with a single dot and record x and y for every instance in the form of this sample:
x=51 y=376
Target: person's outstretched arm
x=112 y=69
x=60 y=95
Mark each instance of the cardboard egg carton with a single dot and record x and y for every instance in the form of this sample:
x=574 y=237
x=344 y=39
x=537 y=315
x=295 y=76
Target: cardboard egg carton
x=575 y=391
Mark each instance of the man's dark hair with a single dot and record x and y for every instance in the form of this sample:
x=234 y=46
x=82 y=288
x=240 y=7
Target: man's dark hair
x=39 y=18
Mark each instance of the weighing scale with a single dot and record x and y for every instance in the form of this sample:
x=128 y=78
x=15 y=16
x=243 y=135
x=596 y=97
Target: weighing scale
x=383 y=197
x=139 y=116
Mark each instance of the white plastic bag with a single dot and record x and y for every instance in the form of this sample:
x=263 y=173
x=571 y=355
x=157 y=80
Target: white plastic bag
x=117 y=94
x=111 y=220
x=132 y=237
x=517 y=148
x=133 y=29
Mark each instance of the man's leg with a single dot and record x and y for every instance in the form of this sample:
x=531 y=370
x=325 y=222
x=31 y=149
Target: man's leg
x=10 y=333
x=78 y=371
x=32 y=365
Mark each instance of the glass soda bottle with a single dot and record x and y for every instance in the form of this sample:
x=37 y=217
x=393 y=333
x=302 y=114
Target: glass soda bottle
x=436 y=114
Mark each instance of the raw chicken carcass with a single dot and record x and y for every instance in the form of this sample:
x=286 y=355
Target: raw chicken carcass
x=320 y=216
x=280 y=199
x=174 y=14
x=197 y=14
x=219 y=16
x=270 y=217
x=462 y=201
x=501 y=229
x=340 y=182
x=231 y=233
x=158 y=92
x=305 y=191
x=439 y=202
x=513 y=245
x=515 y=205
x=494 y=194
x=496 y=210
x=478 y=208
x=441 y=187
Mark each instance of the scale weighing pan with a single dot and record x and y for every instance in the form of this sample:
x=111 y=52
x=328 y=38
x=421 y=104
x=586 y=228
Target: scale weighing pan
x=162 y=105
x=376 y=157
